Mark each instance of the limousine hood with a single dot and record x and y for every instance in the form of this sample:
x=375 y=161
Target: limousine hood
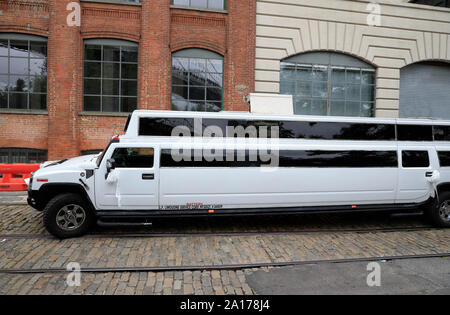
x=79 y=161
x=66 y=170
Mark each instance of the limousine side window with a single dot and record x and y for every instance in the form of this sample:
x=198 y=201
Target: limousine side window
x=441 y=133
x=287 y=129
x=415 y=159
x=287 y=158
x=134 y=157
x=414 y=133
x=444 y=158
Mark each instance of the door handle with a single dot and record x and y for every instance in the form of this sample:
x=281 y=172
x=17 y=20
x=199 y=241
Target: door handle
x=148 y=176
x=428 y=174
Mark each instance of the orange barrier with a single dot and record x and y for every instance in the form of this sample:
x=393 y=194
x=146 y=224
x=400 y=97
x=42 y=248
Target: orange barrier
x=13 y=176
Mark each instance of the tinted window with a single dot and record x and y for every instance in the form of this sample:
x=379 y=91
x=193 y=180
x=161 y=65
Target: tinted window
x=338 y=159
x=287 y=158
x=414 y=133
x=286 y=129
x=441 y=133
x=337 y=131
x=306 y=130
x=134 y=157
x=444 y=158
x=163 y=126
x=415 y=159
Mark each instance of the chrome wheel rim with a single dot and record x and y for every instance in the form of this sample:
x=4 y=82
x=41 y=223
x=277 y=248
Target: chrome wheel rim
x=444 y=211
x=70 y=217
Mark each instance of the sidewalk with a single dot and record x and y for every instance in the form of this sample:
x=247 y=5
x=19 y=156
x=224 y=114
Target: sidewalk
x=13 y=197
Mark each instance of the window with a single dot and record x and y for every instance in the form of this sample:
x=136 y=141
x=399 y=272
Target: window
x=423 y=87
x=19 y=155
x=444 y=158
x=197 y=80
x=287 y=129
x=325 y=83
x=23 y=72
x=110 y=76
x=436 y=3
x=207 y=4
x=134 y=157
x=415 y=159
x=414 y=133
x=287 y=158
x=441 y=133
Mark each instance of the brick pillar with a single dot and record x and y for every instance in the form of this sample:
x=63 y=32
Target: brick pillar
x=240 y=56
x=154 y=55
x=64 y=82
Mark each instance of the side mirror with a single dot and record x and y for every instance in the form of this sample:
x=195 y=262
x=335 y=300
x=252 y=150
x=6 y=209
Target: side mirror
x=110 y=165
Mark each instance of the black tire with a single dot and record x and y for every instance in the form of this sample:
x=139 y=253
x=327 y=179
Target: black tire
x=435 y=211
x=76 y=224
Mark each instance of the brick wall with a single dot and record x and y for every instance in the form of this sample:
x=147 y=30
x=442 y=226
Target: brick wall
x=159 y=29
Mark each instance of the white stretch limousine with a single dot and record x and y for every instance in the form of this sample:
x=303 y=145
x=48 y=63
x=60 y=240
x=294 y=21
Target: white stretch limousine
x=190 y=164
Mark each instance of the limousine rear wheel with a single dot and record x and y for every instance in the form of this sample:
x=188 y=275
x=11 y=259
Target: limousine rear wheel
x=440 y=213
x=68 y=215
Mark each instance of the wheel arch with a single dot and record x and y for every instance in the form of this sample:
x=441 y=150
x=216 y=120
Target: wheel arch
x=443 y=187
x=51 y=190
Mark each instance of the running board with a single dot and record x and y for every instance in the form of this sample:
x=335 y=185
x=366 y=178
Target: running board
x=138 y=215
x=118 y=223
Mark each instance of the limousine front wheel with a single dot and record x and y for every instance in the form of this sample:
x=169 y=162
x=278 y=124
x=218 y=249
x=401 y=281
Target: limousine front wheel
x=68 y=215
x=440 y=214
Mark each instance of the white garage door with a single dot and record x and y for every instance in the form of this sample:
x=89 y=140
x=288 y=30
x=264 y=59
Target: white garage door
x=425 y=90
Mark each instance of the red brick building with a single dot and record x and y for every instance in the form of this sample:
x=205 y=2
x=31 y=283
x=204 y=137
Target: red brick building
x=67 y=87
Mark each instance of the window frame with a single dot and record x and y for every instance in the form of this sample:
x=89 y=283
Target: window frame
x=197 y=53
x=29 y=92
x=116 y=43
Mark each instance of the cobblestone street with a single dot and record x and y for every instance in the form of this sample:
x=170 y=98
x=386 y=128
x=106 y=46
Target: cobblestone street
x=187 y=251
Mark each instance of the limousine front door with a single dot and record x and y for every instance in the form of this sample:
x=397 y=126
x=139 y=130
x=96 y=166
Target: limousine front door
x=416 y=165
x=133 y=183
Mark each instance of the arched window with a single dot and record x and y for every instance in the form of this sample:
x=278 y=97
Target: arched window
x=23 y=71
x=326 y=83
x=425 y=90
x=110 y=76
x=197 y=80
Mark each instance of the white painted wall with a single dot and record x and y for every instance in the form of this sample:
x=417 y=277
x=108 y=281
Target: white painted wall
x=408 y=33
